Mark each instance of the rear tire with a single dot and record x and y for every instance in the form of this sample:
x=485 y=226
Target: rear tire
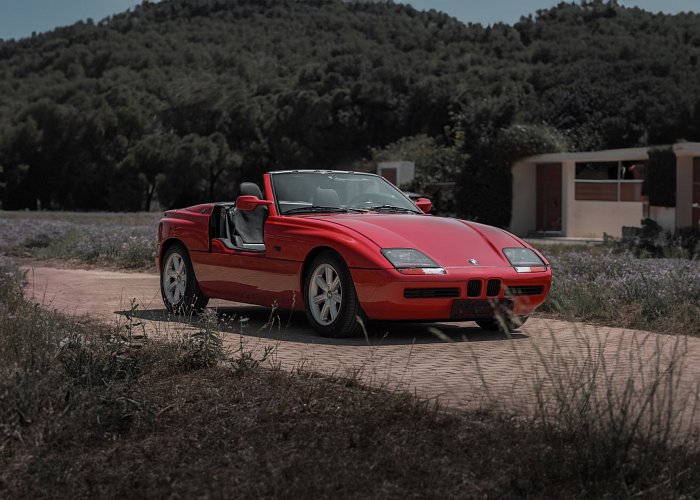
x=504 y=325
x=332 y=307
x=178 y=284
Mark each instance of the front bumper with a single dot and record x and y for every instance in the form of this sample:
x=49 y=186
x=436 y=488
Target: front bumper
x=386 y=294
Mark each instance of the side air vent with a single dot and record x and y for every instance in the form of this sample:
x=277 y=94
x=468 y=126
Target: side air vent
x=474 y=288
x=525 y=290
x=493 y=288
x=430 y=293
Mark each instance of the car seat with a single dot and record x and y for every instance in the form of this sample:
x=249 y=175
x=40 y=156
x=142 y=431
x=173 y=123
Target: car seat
x=326 y=198
x=248 y=224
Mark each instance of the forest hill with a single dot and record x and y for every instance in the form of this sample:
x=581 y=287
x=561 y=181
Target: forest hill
x=177 y=101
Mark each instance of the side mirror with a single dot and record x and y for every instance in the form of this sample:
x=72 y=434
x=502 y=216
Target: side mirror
x=247 y=202
x=424 y=204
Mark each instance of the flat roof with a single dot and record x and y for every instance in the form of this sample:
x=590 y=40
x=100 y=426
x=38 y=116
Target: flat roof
x=680 y=148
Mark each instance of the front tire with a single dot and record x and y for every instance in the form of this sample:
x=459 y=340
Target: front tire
x=505 y=324
x=178 y=284
x=332 y=307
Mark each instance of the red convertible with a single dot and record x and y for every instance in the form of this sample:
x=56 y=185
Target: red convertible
x=346 y=247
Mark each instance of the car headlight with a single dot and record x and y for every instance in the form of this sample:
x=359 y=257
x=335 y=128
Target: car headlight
x=524 y=260
x=411 y=261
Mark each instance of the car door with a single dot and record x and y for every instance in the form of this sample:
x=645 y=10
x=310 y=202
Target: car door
x=250 y=277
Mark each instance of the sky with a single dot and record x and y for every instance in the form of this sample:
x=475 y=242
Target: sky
x=19 y=18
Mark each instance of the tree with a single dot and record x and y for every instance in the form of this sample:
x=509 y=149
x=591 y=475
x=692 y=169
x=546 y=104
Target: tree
x=200 y=169
x=144 y=165
x=486 y=187
x=437 y=167
x=304 y=84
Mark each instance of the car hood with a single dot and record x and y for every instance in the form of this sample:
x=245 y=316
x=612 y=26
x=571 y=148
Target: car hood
x=449 y=242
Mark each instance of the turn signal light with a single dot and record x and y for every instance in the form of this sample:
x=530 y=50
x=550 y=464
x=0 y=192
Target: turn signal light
x=530 y=269
x=422 y=270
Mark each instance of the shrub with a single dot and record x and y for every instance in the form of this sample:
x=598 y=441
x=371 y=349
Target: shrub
x=436 y=166
x=652 y=241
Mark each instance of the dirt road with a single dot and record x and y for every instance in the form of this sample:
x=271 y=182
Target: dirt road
x=459 y=364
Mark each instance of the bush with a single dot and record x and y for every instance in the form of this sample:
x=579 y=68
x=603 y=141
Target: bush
x=436 y=166
x=652 y=241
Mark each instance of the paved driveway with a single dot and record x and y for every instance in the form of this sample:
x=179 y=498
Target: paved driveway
x=457 y=363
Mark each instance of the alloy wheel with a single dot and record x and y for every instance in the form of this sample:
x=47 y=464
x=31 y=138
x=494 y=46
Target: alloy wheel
x=325 y=294
x=175 y=278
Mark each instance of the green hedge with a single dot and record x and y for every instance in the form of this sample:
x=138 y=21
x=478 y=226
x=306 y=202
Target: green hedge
x=660 y=183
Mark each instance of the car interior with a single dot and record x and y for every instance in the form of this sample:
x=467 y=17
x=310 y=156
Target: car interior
x=242 y=229
x=299 y=190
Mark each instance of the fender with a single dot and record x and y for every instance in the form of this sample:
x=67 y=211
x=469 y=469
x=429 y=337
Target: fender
x=189 y=225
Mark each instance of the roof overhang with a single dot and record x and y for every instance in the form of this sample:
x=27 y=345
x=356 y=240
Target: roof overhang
x=680 y=148
x=687 y=148
x=607 y=155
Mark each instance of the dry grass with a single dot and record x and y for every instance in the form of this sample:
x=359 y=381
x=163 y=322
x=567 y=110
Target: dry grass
x=619 y=404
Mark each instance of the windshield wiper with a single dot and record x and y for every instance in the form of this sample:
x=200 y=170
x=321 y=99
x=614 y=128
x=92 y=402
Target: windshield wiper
x=320 y=209
x=391 y=208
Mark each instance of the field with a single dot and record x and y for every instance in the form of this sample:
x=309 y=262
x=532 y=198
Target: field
x=619 y=289
x=113 y=240
x=592 y=284
x=88 y=409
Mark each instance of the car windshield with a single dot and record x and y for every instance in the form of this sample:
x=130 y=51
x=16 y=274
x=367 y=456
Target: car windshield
x=318 y=192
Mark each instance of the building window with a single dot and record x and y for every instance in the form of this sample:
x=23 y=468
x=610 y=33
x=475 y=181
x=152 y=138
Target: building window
x=610 y=181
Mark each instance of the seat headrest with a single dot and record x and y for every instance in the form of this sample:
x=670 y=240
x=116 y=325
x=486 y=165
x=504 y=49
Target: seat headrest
x=250 y=189
x=326 y=198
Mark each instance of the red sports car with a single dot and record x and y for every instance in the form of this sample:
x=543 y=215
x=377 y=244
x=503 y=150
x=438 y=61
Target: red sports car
x=346 y=247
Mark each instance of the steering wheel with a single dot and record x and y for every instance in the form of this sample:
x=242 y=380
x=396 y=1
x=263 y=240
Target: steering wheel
x=363 y=198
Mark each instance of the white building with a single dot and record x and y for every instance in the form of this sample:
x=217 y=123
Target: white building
x=588 y=194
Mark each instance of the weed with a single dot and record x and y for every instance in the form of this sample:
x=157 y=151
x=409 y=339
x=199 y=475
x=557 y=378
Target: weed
x=244 y=360
x=204 y=348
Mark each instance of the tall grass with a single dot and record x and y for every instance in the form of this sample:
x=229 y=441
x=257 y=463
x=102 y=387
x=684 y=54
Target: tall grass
x=620 y=412
x=626 y=408
x=61 y=374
